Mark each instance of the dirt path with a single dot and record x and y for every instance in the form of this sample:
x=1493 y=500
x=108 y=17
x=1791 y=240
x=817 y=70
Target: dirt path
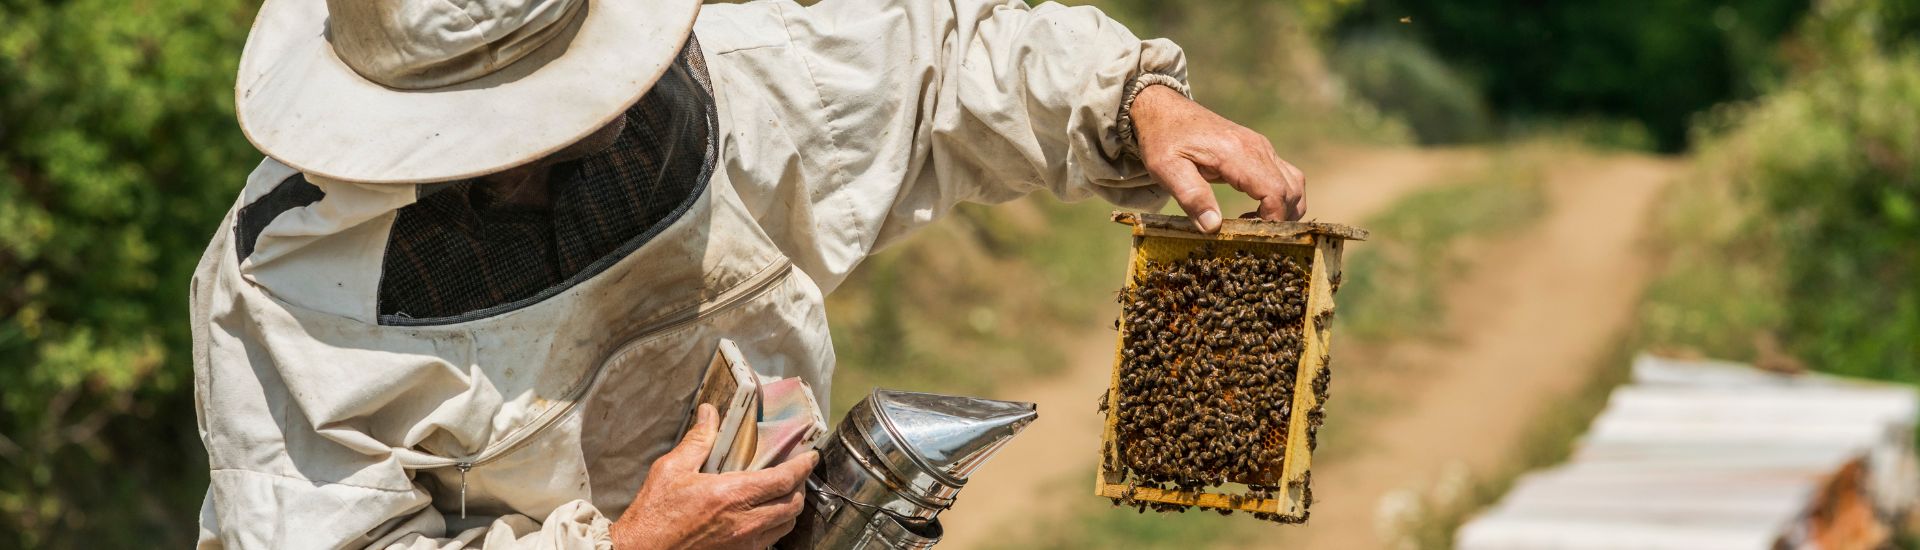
x=1526 y=329
x=1023 y=484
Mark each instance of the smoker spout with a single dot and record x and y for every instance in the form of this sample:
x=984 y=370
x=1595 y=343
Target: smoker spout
x=952 y=436
x=895 y=462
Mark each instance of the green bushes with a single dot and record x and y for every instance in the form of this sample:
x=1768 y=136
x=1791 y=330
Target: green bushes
x=1803 y=222
x=1716 y=291
x=118 y=154
x=1834 y=162
x=1403 y=79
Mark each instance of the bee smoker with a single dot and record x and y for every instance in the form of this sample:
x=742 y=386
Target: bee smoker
x=894 y=463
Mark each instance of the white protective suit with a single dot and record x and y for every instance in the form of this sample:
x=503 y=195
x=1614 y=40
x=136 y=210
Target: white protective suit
x=842 y=127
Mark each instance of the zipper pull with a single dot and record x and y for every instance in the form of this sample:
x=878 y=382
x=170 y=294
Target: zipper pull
x=464 y=466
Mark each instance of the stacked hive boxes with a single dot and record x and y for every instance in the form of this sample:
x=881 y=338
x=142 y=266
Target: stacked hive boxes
x=1703 y=454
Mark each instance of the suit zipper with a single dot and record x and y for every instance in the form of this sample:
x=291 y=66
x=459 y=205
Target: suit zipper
x=759 y=284
x=464 y=467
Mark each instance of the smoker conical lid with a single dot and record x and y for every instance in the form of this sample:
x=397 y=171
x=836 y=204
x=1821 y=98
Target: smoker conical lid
x=950 y=436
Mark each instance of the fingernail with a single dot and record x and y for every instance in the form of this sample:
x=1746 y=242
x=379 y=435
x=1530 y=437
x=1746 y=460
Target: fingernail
x=1209 y=221
x=706 y=413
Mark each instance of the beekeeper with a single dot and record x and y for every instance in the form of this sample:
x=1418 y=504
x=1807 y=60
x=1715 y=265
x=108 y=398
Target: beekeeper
x=465 y=299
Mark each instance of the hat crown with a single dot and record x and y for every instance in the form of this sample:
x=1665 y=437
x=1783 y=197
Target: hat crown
x=419 y=44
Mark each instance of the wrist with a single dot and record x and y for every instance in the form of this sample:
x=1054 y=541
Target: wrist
x=1144 y=96
x=1151 y=102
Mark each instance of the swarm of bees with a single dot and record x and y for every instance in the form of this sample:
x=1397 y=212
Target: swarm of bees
x=1210 y=349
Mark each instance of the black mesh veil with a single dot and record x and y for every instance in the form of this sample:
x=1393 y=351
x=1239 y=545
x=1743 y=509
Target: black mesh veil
x=460 y=254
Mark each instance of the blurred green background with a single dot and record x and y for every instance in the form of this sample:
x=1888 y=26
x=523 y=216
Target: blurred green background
x=119 y=153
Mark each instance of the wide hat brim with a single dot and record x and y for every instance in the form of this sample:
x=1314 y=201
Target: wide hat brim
x=300 y=104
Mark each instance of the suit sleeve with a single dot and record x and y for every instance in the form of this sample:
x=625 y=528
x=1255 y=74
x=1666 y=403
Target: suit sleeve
x=909 y=107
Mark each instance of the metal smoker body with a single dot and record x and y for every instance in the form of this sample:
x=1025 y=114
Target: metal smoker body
x=894 y=463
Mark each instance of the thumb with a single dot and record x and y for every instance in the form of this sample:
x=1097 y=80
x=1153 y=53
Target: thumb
x=1182 y=180
x=693 y=449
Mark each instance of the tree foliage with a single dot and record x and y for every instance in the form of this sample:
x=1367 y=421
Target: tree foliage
x=1833 y=159
x=1656 y=61
x=118 y=154
x=1404 y=79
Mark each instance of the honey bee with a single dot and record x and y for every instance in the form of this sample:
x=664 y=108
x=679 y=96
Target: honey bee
x=1210 y=344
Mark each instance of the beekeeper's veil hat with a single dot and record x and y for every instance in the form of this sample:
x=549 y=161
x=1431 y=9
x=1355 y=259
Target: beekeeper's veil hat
x=420 y=91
